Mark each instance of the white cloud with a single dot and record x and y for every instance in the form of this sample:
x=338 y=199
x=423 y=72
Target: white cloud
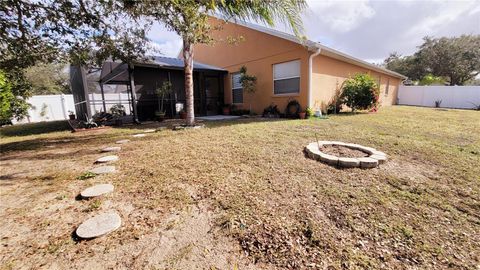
x=447 y=12
x=369 y=30
x=164 y=42
x=394 y=25
x=342 y=16
x=167 y=48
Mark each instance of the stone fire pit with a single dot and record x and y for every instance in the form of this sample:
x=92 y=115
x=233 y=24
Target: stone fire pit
x=360 y=156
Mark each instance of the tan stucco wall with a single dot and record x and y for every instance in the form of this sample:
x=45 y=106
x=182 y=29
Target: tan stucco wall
x=328 y=75
x=258 y=52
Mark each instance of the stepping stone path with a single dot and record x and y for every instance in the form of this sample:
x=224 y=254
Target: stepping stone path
x=107 y=222
x=112 y=149
x=106 y=159
x=149 y=131
x=97 y=190
x=139 y=135
x=99 y=225
x=373 y=160
x=103 y=170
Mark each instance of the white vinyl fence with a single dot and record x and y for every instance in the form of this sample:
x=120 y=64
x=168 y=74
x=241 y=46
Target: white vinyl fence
x=56 y=107
x=460 y=97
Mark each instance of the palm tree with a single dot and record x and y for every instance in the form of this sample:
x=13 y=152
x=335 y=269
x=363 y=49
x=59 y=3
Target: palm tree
x=190 y=20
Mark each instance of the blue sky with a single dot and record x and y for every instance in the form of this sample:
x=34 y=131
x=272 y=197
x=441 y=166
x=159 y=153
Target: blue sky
x=369 y=30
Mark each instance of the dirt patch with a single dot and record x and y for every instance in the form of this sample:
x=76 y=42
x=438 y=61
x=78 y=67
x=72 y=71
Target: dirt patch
x=342 y=151
x=191 y=201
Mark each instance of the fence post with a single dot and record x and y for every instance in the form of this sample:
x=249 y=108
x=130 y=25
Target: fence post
x=64 y=110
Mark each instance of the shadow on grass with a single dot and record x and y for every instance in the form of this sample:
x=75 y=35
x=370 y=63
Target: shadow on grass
x=85 y=139
x=34 y=128
x=60 y=142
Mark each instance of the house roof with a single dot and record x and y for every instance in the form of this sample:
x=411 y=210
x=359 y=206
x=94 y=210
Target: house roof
x=174 y=63
x=314 y=46
x=115 y=72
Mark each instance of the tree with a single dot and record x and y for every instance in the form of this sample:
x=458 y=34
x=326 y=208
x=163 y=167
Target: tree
x=6 y=99
x=249 y=84
x=410 y=66
x=48 y=79
x=19 y=88
x=190 y=20
x=77 y=31
x=429 y=79
x=360 y=92
x=456 y=59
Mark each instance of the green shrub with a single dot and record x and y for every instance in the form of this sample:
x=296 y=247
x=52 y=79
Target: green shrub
x=360 y=92
x=6 y=99
x=309 y=112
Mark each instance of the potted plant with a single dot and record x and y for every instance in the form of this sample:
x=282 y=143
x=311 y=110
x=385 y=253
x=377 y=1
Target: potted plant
x=118 y=111
x=71 y=115
x=302 y=114
x=165 y=89
x=226 y=109
x=183 y=114
x=159 y=116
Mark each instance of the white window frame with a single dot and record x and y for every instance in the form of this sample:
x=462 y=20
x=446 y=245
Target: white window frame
x=286 y=78
x=233 y=101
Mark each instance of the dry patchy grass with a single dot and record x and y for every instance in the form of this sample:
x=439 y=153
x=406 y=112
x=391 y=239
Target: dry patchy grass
x=242 y=194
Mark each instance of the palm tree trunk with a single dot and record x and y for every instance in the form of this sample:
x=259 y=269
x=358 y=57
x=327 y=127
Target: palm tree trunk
x=188 y=60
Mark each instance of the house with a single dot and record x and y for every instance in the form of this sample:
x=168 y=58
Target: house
x=113 y=83
x=286 y=67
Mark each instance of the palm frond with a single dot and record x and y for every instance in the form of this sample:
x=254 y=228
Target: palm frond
x=266 y=11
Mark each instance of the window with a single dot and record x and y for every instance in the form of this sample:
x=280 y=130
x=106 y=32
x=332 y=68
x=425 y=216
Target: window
x=386 y=87
x=237 y=90
x=286 y=78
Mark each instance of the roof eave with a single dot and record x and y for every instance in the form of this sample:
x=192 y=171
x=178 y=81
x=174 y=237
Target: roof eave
x=345 y=57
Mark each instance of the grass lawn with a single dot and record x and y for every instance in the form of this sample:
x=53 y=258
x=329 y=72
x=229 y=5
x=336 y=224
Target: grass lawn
x=242 y=195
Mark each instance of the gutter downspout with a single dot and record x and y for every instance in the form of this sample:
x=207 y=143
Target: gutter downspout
x=310 y=65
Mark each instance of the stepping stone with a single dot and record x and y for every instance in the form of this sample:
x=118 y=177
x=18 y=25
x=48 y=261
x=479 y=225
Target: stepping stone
x=99 y=225
x=149 y=131
x=97 y=190
x=367 y=162
x=139 y=135
x=122 y=141
x=106 y=159
x=103 y=170
x=112 y=149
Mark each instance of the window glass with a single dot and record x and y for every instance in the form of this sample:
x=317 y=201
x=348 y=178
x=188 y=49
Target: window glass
x=237 y=91
x=286 y=78
x=286 y=70
x=287 y=86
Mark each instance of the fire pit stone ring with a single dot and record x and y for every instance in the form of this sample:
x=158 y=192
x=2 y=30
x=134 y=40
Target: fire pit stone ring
x=373 y=159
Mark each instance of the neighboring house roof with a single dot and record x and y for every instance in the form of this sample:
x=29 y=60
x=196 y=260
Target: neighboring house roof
x=313 y=46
